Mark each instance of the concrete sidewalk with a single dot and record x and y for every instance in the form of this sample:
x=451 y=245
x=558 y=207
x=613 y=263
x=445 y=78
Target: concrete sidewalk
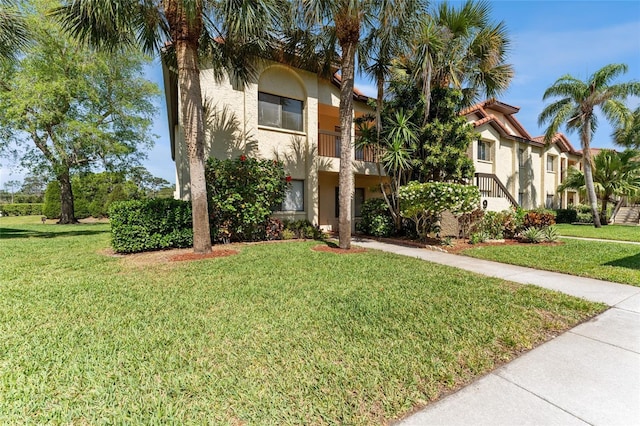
x=590 y=375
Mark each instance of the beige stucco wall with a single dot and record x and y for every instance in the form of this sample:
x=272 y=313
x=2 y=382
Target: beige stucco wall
x=236 y=131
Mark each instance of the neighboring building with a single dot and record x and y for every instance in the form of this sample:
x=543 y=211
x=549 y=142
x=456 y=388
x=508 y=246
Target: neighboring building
x=514 y=168
x=289 y=114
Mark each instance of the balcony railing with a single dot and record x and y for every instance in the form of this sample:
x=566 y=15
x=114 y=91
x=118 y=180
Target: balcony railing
x=329 y=146
x=490 y=186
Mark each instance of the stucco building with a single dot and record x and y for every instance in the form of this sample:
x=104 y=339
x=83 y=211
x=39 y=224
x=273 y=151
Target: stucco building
x=291 y=115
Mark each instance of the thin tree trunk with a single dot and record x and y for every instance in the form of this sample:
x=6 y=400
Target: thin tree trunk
x=185 y=33
x=603 y=211
x=67 y=215
x=346 y=123
x=588 y=174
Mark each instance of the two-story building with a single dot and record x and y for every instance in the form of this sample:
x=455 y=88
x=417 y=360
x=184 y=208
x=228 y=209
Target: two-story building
x=288 y=114
x=513 y=167
x=291 y=115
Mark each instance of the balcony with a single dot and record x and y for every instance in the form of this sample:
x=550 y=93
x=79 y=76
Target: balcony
x=329 y=146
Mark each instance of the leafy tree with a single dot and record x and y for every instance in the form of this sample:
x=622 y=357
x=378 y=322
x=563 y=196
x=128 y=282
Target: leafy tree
x=615 y=174
x=229 y=32
x=13 y=31
x=576 y=111
x=34 y=184
x=12 y=187
x=70 y=108
x=149 y=184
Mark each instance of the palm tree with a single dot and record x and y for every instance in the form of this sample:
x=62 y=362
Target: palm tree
x=342 y=25
x=627 y=132
x=614 y=174
x=576 y=111
x=185 y=27
x=13 y=32
x=461 y=48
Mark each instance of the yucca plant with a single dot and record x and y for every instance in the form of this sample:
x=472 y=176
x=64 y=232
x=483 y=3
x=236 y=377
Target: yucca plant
x=533 y=235
x=551 y=234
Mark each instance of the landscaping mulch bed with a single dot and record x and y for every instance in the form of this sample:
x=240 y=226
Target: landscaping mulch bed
x=199 y=256
x=337 y=250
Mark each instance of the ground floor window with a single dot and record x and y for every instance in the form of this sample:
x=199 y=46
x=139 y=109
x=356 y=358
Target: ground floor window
x=294 y=198
x=520 y=198
x=549 y=203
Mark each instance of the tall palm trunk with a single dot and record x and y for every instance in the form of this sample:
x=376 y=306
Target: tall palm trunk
x=67 y=215
x=348 y=44
x=185 y=36
x=588 y=172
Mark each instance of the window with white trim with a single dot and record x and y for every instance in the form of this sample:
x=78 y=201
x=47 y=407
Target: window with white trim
x=484 y=150
x=549 y=203
x=278 y=111
x=522 y=157
x=294 y=197
x=551 y=163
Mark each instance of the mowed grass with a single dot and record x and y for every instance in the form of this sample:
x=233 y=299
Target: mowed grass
x=278 y=334
x=608 y=232
x=617 y=262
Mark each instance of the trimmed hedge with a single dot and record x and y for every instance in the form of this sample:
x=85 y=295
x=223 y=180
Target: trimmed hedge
x=566 y=216
x=143 y=225
x=375 y=218
x=21 y=209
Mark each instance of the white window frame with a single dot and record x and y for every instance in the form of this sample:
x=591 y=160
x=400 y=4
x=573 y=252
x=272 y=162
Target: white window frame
x=486 y=150
x=267 y=104
x=552 y=159
x=294 y=197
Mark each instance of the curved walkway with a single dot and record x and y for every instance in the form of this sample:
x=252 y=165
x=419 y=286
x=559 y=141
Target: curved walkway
x=589 y=375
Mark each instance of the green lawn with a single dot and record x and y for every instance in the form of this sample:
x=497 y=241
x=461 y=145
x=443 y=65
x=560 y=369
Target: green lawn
x=278 y=334
x=609 y=261
x=608 y=232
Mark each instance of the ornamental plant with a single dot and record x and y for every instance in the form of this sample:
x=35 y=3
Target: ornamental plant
x=424 y=203
x=243 y=193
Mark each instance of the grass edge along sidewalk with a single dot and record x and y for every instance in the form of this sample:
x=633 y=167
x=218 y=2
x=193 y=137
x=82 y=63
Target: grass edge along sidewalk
x=609 y=261
x=277 y=334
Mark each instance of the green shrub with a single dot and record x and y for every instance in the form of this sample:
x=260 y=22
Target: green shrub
x=533 y=235
x=21 y=209
x=375 y=218
x=584 y=218
x=424 y=203
x=52 y=205
x=243 y=193
x=303 y=229
x=566 y=215
x=539 y=219
x=478 y=237
x=143 y=225
x=551 y=234
x=491 y=224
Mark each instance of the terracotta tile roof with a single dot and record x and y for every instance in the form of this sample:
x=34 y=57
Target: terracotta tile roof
x=562 y=141
x=357 y=94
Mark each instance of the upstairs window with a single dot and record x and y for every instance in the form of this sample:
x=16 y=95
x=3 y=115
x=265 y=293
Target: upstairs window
x=484 y=151
x=278 y=111
x=551 y=161
x=522 y=157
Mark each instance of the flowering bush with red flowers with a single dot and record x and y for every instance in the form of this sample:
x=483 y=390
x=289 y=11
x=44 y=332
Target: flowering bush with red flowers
x=243 y=193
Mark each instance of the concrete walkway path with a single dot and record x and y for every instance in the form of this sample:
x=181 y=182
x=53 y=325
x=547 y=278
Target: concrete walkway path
x=589 y=375
x=602 y=240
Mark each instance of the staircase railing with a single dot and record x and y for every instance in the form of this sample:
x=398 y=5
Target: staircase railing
x=490 y=186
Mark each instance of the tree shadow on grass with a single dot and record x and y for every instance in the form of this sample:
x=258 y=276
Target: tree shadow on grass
x=629 y=262
x=12 y=233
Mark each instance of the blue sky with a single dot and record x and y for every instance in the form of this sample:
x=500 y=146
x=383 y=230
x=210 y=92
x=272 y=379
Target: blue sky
x=549 y=39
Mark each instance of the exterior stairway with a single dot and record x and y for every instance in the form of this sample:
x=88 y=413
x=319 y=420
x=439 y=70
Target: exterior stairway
x=628 y=216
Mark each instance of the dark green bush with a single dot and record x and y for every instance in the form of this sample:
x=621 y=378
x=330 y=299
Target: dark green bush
x=21 y=209
x=243 y=193
x=302 y=229
x=566 y=216
x=52 y=208
x=375 y=218
x=143 y=225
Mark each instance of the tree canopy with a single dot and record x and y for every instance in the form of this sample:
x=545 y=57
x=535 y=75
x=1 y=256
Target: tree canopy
x=68 y=108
